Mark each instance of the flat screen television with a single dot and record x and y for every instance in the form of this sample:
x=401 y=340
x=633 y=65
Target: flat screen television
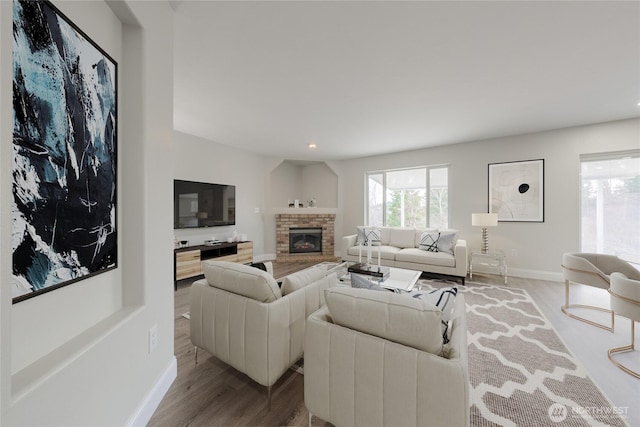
x=199 y=204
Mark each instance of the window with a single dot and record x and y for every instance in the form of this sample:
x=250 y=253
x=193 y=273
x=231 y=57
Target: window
x=610 y=204
x=417 y=197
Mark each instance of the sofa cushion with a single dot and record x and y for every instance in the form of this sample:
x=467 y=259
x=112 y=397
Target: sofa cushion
x=429 y=241
x=385 y=233
x=242 y=280
x=402 y=237
x=394 y=317
x=418 y=256
x=386 y=252
x=447 y=241
x=299 y=280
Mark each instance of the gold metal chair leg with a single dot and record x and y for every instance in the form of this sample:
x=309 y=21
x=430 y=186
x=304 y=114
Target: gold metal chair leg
x=629 y=347
x=565 y=309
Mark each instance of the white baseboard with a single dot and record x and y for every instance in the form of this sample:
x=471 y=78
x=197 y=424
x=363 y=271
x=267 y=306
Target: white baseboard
x=150 y=403
x=515 y=272
x=536 y=274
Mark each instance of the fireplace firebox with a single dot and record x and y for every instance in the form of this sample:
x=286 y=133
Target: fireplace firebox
x=305 y=240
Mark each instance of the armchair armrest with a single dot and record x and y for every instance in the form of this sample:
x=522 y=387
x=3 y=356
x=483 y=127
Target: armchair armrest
x=460 y=253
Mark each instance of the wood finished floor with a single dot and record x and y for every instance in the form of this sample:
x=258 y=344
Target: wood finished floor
x=213 y=394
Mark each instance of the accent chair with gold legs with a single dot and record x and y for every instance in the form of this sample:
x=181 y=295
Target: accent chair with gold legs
x=625 y=301
x=591 y=270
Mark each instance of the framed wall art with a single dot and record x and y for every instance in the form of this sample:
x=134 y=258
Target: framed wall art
x=64 y=152
x=516 y=190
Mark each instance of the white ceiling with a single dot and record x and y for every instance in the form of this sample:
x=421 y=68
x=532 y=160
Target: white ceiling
x=362 y=78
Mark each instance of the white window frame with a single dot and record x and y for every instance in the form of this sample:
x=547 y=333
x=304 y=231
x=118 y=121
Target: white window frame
x=427 y=186
x=594 y=157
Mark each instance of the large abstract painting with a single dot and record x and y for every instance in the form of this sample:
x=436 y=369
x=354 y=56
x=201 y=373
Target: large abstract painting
x=516 y=190
x=64 y=152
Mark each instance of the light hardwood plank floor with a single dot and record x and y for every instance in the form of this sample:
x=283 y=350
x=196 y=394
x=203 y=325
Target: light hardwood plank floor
x=213 y=394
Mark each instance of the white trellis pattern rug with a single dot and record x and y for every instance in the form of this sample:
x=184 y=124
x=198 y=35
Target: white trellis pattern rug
x=520 y=371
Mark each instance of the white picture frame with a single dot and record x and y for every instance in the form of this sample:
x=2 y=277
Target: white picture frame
x=516 y=190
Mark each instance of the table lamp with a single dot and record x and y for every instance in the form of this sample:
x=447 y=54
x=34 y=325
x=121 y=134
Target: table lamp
x=484 y=220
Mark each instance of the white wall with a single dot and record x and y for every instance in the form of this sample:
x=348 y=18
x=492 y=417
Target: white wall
x=197 y=159
x=78 y=355
x=291 y=181
x=320 y=182
x=532 y=249
x=286 y=185
x=261 y=182
x=538 y=246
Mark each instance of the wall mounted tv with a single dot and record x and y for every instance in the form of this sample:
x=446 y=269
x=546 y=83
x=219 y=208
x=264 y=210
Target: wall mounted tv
x=198 y=204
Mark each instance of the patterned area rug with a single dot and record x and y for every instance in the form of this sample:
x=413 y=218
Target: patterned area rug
x=520 y=371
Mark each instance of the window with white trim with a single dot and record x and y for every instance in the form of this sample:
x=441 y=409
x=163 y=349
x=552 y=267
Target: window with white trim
x=610 y=204
x=416 y=197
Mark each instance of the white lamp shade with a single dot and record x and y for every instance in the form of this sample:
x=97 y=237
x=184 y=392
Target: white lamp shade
x=484 y=219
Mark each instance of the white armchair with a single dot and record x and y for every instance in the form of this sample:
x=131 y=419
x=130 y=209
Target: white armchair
x=387 y=368
x=592 y=270
x=241 y=316
x=625 y=301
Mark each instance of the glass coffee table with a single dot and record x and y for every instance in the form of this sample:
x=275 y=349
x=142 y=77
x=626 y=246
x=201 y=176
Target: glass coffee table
x=399 y=279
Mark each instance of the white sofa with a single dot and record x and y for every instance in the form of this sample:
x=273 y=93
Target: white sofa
x=399 y=247
x=240 y=315
x=366 y=365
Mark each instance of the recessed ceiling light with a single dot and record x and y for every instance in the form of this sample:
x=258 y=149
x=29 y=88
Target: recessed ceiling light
x=312 y=146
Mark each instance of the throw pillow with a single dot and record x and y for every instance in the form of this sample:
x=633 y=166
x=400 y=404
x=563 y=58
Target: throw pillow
x=444 y=299
x=264 y=266
x=361 y=281
x=259 y=265
x=429 y=241
x=372 y=236
x=447 y=241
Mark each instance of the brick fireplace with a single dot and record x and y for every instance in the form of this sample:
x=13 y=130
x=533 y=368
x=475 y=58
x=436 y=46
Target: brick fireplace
x=293 y=221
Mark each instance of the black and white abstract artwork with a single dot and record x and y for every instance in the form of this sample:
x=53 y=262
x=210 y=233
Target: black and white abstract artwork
x=64 y=153
x=516 y=190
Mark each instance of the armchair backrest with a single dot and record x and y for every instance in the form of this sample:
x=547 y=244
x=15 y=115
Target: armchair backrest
x=594 y=269
x=625 y=296
x=241 y=279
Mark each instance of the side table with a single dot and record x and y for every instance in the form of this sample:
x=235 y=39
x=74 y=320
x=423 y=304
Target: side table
x=490 y=260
